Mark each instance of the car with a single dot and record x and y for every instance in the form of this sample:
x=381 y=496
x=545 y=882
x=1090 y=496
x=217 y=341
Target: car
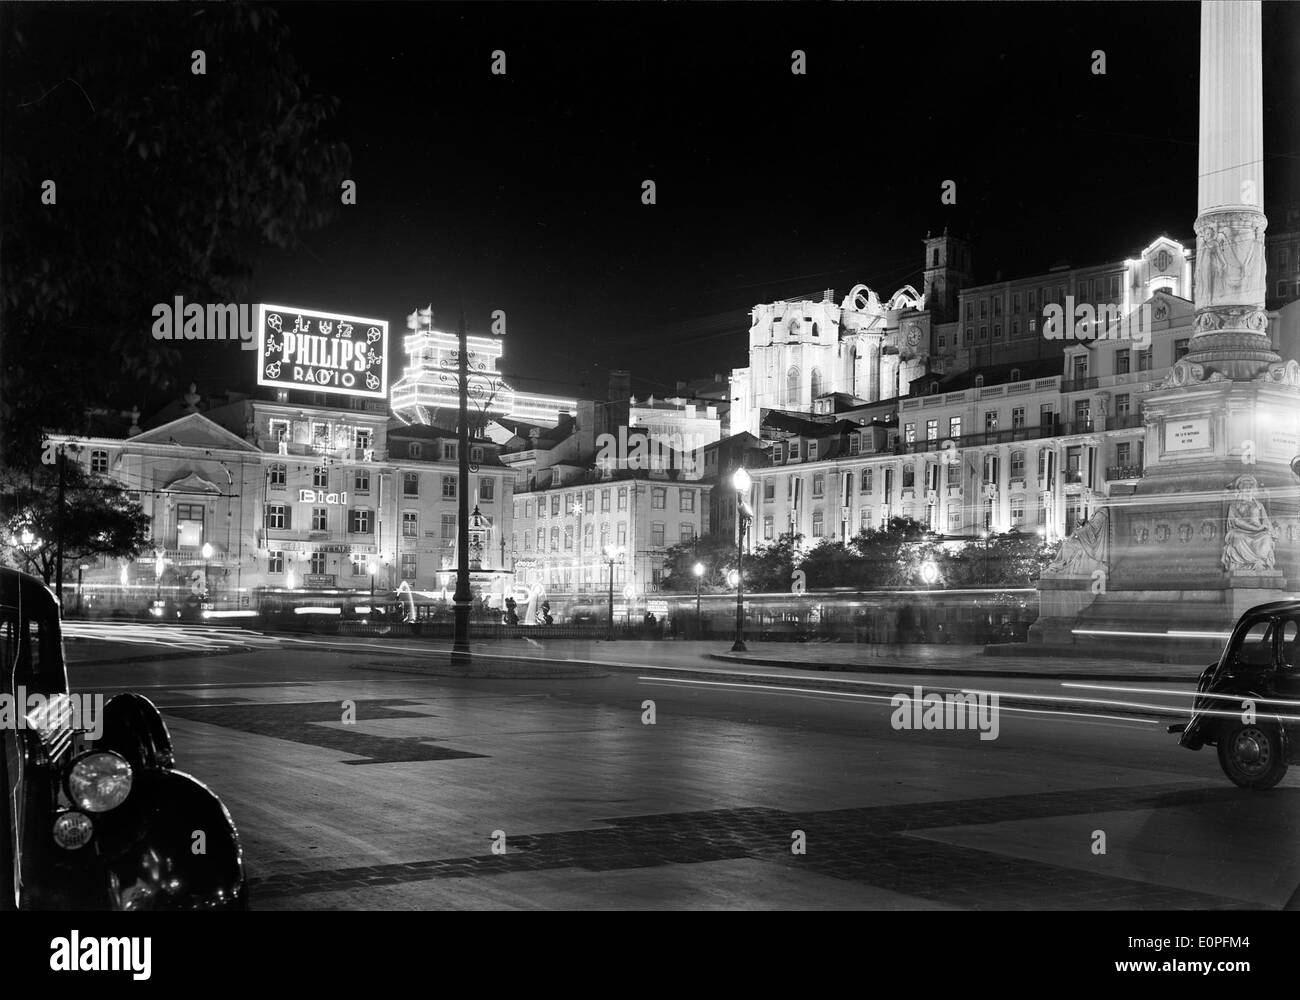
x=1246 y=702
x=94 y=814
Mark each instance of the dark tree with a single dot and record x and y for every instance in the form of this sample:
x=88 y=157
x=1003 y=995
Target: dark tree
x=166 y=183
x=831 y=563
x=716 y=552
x=100 y=519
x=771 y=568
x=891 y=555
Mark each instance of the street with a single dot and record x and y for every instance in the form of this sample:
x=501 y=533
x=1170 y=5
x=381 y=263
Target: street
x=358 y=784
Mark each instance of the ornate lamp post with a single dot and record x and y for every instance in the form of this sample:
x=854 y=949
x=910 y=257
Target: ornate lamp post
x=473 y=381
x=698 y=570
x=613 y=554
x=741 y=481
x=373 y=567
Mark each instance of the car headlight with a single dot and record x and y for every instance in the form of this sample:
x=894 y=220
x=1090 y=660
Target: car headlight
x=99 y=781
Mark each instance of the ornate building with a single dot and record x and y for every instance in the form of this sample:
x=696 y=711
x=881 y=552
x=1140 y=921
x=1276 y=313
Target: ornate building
x=801 y=350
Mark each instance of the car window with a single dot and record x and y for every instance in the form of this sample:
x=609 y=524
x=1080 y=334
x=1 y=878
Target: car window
x=1290 y=632
x=1255 y=648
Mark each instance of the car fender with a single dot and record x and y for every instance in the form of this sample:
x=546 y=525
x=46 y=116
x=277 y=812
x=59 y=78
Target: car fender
x=134 y=728
x=176 y=847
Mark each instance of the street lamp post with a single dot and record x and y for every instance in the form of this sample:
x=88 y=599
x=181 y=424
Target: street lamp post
x=374 y=568
x=462 y=598
x=698 y=570
x=613 y=554
x=742 y=483
x=81 y=597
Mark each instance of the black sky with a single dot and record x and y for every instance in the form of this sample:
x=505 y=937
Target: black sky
x=523 y=192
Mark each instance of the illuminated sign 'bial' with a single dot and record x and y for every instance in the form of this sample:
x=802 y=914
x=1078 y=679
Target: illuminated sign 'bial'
x=322 y=352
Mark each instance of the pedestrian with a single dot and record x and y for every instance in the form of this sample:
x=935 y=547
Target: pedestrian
x=905 y=625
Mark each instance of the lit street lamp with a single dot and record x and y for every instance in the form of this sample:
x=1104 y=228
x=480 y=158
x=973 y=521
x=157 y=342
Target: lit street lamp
x=613 y=554
x=698 y=569
x=207 y=554
x=742 y=482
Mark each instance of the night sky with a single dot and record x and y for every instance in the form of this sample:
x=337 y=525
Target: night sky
x=523 y=192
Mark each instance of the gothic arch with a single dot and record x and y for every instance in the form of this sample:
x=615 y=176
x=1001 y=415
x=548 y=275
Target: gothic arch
x=792 y=387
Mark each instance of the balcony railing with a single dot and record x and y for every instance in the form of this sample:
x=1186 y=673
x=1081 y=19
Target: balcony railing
x=1123 y=472
x=1079 y=384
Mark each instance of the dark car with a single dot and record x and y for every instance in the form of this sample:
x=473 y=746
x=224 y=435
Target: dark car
x=93 y=813
x=1246 y=702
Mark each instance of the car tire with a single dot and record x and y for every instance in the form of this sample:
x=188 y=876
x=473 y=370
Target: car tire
x=1252 y=755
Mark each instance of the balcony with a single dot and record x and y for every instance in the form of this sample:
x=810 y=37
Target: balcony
x=1114 y=472
x=1079 y=384
x=1124 y=421
x=1072 y=477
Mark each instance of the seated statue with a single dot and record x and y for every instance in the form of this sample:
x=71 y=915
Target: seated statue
x=1248 y=535
x=1086 y=549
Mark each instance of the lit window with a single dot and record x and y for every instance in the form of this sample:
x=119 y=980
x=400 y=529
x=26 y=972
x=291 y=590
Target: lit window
x=99 y=461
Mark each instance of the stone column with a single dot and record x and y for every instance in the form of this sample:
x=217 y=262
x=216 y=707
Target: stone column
x=1230 y=335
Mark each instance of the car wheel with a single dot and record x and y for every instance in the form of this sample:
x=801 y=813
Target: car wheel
x=1251 y=755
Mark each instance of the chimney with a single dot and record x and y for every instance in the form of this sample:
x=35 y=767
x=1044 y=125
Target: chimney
x=586 y=428
x=828 y=295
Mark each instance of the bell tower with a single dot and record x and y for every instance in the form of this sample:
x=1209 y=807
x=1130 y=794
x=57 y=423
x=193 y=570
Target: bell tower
x=947 y=271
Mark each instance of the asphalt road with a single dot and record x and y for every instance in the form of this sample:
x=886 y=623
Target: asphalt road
x=363 y=788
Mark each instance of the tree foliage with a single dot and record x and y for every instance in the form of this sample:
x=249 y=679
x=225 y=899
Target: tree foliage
x=166 y=184
x=100 y=519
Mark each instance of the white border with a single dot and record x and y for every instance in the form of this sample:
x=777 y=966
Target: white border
x=264 y=307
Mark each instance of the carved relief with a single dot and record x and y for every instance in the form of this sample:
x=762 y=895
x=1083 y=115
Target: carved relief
x=1230 y=258
x=1287 y=373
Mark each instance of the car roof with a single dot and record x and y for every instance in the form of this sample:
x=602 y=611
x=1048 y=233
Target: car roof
x=22 y=588
x=1273 y=607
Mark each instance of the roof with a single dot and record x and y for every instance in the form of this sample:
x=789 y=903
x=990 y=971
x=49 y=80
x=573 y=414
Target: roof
x=427 y=432
x=792 y=423
x=993 y=375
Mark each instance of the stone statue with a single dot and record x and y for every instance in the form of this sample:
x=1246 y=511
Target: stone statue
x=1086 y=549
x=1248 y=534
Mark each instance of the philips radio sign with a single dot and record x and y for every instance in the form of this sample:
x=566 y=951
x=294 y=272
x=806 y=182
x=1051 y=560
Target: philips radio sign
x=322 y=352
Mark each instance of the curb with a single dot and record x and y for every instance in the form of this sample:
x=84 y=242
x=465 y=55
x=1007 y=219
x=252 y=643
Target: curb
x=490 y=671
x=184 y=654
